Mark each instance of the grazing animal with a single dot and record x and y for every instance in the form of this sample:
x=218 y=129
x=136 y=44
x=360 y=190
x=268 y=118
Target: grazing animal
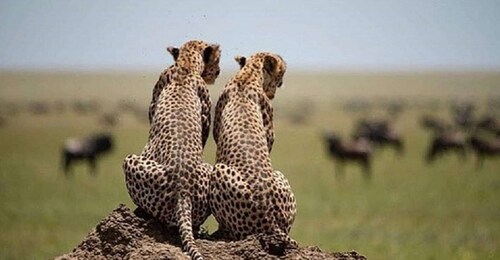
x=39 y=108
x=396 y=107
x=357 y=105
x=484 y=148
x=109 y=119
x=302 y=112
x=127 y=106
x=463 y=115
x=490 y=124
x=246 y=195
x=446 y=142
x=89 y=149
x=434 y=124
x=380 y=133
x=85 y=107
x=358 y=150
x=169 y=179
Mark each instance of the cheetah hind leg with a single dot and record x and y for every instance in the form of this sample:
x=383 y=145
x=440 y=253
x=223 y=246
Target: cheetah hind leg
x=151 y=187
x=201 y=212
x=220 y=206
x=284 y=219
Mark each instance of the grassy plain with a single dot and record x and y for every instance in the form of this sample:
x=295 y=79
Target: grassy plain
x=409 y=210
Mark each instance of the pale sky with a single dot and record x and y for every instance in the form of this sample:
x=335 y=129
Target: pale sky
x=326 y=35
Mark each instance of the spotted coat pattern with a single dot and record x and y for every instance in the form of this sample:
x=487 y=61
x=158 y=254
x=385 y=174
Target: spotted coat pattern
x=169 y=179
x=246 y=195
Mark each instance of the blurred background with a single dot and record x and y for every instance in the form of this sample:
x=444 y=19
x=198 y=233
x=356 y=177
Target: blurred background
x=387 y=127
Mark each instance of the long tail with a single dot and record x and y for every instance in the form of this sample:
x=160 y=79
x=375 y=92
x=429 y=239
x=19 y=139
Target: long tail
x=184 y=209
x=184 y=206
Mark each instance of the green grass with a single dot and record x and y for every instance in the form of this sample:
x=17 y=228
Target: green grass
x=409 y=210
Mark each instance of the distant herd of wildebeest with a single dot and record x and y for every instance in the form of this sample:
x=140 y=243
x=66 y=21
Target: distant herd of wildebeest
x=464 y=131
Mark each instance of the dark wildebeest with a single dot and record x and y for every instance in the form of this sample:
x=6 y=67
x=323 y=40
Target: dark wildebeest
x=484 y=148
x=39 y=108
x=437 y=125
x=395 y=107
x=141 y=115
x=463 y=114
x=357 y=105
x=359 y=151
x=86 y=107
x=89 y=148
x=109 y=119
x=490 y=124
x=445 y=142
x=301 y=113
x=380 y=133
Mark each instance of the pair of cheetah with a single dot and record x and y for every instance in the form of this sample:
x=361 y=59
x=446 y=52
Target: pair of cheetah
x=170 y=180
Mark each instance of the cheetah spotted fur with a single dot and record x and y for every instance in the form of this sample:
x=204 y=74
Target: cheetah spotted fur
x=169 y=179
x=246 y=195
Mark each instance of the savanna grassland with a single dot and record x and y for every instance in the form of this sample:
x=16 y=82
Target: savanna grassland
x=408 y=210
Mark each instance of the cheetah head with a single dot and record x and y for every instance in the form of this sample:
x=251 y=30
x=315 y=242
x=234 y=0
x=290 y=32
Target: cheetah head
x=273 y=70
x=199 y=56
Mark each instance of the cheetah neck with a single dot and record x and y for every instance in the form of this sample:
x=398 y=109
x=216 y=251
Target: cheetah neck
x=190 y=62
x=183 y=76
x=250 y=74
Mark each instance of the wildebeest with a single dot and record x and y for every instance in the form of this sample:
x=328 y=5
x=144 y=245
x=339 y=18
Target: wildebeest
x=380 y=133
x=395 y=107
x=359 y=151
x=446 y=141
x=127 y=106
x=84 y=107
x=39 y=108
x=490 y=124
x=109 y=119
x=437 y=125
x=357 y=105
x=141 y=114
x=301 y=113
x=463 y=114
x=484 y=148
x=89 y=148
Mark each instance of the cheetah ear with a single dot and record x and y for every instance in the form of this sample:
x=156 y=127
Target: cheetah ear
x=174 y=51
x=241 y=60
x=210 y=53
x=270 y=63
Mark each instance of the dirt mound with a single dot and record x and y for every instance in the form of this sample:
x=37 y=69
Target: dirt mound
x=127 y=235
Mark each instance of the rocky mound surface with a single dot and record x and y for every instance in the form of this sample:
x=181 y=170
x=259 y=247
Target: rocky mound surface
x=126 y=235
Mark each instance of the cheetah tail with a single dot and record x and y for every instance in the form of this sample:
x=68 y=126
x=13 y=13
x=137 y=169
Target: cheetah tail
x=186 y=227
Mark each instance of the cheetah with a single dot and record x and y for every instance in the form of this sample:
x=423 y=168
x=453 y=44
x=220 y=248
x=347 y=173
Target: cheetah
x=169 y=179
x=209 y=75
x=246 y=195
